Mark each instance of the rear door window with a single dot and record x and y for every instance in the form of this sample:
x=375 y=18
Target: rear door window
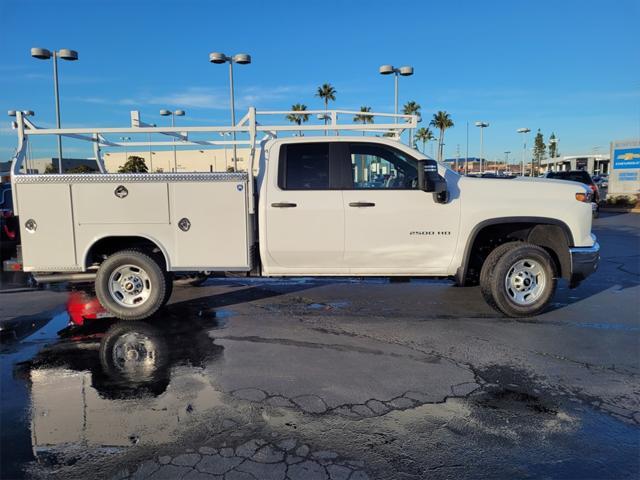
x=304 y=166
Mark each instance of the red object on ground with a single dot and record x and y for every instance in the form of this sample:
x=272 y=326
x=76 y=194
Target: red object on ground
x=81 y=307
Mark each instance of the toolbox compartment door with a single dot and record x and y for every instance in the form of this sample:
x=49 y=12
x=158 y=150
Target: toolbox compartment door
x=213 y=234
x=49 y=244
x=126 y=202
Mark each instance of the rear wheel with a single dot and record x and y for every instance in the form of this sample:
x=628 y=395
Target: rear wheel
x=131 y=285
x=521 y=280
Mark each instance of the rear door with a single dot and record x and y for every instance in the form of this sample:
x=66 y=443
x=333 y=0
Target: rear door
x=391 y=227
x=304 y=211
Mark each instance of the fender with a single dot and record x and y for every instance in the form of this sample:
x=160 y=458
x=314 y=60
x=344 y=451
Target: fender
x=461 y=272
x=146 y=237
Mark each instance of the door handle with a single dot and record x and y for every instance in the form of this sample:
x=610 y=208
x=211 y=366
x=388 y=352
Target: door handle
x=284 y=205
x=362 y=204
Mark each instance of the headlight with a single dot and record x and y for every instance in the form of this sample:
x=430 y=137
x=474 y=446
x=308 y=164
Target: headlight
x=584 y=196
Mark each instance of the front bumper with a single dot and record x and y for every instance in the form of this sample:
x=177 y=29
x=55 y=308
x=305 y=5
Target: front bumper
x=584 y=261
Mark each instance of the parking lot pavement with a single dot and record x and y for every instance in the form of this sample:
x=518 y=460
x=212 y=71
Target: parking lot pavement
x=331 y=379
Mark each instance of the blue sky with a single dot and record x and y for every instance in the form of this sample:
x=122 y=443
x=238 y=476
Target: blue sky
x=571 y=66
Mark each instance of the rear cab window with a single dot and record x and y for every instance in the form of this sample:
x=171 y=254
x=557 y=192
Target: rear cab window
x=304 y=166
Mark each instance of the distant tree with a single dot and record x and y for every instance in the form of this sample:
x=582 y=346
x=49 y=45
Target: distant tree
x=81 y=169
x=51 y=168
x=553 y=146
x=539 y=150
x=424 y=135
x=441 y=121
x=363 y=119
x=298 y=118
x=412 y=108
x=326 y=92
x=134 y=164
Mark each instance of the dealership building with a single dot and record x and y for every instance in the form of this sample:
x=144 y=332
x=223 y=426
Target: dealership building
x=624 y=178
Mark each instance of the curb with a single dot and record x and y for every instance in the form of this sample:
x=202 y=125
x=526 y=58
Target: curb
x=619 y=210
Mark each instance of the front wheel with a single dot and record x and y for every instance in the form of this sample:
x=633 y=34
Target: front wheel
x=131 y=285
x=522 y=282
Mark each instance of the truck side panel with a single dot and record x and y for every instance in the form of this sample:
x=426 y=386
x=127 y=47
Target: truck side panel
x=49 y=245
x=214 y=230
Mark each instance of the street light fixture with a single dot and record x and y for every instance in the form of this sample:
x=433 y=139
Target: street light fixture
x=242 y=59
x=176 y=113
x=524 y=131
x=482 y=126
x=405 y=71
x=64 y=54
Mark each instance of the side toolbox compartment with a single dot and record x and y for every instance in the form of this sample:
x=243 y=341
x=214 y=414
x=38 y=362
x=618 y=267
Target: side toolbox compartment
x=46 y=226
x=210 y=225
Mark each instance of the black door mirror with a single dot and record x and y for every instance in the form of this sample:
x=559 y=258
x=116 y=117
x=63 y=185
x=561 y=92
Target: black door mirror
x=429 y=180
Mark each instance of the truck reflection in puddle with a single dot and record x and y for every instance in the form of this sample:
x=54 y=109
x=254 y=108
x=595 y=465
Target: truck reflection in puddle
x=108 y=383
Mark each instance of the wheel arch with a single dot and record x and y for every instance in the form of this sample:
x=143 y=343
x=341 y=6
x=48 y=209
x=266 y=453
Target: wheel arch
x=550 y=233
x=108 y=244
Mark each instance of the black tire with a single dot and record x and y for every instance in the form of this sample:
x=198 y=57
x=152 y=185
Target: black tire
x=168 y=277
x=137 y=298
x=534 y=286
x=487 y=268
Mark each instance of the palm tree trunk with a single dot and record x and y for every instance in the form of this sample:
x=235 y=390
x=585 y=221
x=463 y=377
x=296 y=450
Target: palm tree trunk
x=440 y=145
x=326 y=107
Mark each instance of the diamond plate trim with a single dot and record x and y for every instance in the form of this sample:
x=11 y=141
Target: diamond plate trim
x=131 y=177
x=72 y=268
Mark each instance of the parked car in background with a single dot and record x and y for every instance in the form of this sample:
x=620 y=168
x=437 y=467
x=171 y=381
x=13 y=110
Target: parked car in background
x=9 y=228
x=582 y=177
x=602 y=181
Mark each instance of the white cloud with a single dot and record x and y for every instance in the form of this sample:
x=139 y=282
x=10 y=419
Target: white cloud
x=209 y=98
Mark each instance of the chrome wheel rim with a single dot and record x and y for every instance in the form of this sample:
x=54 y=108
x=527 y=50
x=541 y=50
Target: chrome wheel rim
x=134 y=355
x=129 y=286
x=525 y=281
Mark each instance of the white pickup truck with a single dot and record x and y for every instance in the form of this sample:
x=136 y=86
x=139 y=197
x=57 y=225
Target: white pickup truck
x=328 y=205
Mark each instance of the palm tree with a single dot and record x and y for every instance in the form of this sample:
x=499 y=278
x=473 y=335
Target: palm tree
x=424 y=135
x=363 y=119
x=442 y=121
x=326 y=92
x=298 y=118
x=412 y=108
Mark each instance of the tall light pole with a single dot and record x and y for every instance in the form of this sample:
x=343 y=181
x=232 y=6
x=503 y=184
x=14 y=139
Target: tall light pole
x=555 y=142
x=125 y=140
x=150 y=152
x=482 y=126
x=405 y=71
x=174 y=114
x=65 y=54
x=242 y=59
x=524 y=131
x=506 y=160
x=223 y=135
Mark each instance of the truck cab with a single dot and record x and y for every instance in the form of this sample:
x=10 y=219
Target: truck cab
x=352 y=206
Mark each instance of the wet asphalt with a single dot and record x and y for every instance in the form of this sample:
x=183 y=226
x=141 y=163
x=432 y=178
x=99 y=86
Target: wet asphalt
x=332 y=379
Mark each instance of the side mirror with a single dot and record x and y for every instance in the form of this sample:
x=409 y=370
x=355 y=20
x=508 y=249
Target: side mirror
x=430 y=181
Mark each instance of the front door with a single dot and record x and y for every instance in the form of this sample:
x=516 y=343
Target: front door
x=304 y=212
x=391 y=227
